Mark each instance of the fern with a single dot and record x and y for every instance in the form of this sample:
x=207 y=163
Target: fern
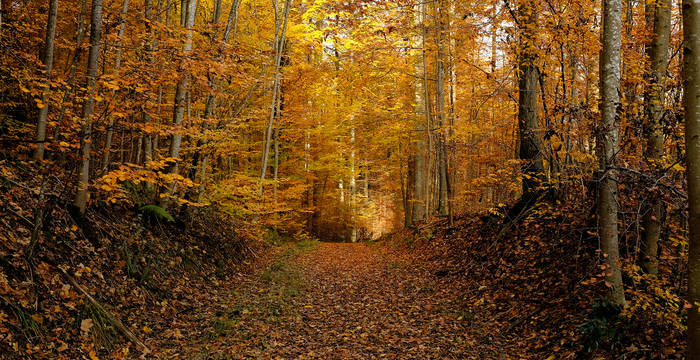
x=157 y=212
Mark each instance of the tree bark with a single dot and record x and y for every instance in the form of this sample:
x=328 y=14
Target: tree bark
x=353 y=187
x=530 y=144
x=48 y=67
x=608 y=143
x=150 y=48
x=658 y=57
x=276 y=140
x=419 y=178
x=691 y=84
x=80 y=200
x=187 y=21
x=117 y=65
x=440 y=95
x=451 y=143
x=278 y=46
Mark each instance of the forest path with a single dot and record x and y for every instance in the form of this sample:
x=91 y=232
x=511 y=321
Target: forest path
x=340 y=301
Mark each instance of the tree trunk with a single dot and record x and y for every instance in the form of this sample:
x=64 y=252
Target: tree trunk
x=48 y=67
x=530 y=147
x=658 y=57
x=691 y=84
x=419 y=178
x=186 y=20
x=407 y=191
x=278 y=47
x=276 y=139
x=353 y=187
x=451 y=143
x=117 y=65
x=80 y=200
x=608 y=143
x=440 y=95
x=150 y=48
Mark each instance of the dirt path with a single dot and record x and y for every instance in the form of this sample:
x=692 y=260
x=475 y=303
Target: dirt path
x=338 y=301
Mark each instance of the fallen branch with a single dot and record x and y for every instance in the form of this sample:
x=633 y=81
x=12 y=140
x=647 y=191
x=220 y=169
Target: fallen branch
x=109 y=315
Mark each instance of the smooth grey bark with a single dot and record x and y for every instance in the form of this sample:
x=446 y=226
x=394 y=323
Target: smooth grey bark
x=278 y=43
x=80 y=200
x=451 y=143
x=276 y=140
x=217 y=12
x=419 y=200
x=440 y=102
x=48 y=67
x=406 y=191
x=150 y=48
x=353 y=187
x=660 y=13
x=528 y=127
x=608 y=143
x=428 y=122
x=691 y=85
x=117 y=65
x=187 y=21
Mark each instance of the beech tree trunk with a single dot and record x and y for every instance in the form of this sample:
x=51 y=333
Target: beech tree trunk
x=80 y=200
x=419 y=178
x=48 y=67
x=530 y=147
x=442 y=120
x=278 y=47
x=186 y=20
x=607 y=148
x=150 y=48
x=451 y=143
x=658 y=56
x=691 y=84
x=353 y=188
x=117 y=65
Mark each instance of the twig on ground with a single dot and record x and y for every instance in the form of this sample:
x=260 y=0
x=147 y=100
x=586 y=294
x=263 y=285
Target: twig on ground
x=117 y=323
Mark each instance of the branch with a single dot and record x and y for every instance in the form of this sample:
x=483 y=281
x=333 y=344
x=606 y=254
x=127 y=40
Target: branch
x=655 y=181
x=109 y=315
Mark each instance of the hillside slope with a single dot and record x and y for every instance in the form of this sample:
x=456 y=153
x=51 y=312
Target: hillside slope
x=139 y=268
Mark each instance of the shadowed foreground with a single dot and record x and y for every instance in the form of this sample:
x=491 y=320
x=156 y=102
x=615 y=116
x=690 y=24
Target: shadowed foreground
x=353 y=301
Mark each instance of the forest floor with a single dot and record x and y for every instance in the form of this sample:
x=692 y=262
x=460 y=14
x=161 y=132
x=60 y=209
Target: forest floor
x=333 y=301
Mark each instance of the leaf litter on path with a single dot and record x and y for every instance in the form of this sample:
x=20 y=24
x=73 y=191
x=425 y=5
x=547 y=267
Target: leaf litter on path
x=339 y=301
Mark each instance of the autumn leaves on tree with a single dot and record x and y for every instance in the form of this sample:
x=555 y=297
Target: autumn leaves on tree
x=350 y=120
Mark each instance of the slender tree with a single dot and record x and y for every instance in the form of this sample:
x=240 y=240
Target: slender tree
x=48 y=67
x=528 y=127
x=440 y=20
x=691 y=85
x=80 y=200
x=660 y=14
x=117 y=65
x=608 y=143
x=420 y=166
x=188 y=13
x=280 y=34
